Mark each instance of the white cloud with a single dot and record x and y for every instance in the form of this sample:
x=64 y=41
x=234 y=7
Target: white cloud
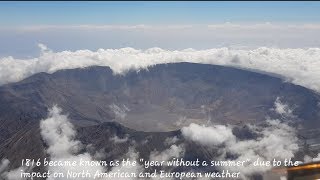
x=300 y=66
x=276 y=141
x=208 y=136
x=173 y=152
x=43 y=48
x=307 y=159
x=59 y=134
x=282 y=108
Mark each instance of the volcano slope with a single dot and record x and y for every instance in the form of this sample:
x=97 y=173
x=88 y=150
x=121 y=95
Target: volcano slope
x=161 y=98
x=155 y=102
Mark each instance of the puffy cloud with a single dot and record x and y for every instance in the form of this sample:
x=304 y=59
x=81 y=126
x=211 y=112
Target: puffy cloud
x=300 y=66
x=282 y=108
x=59 y=134
x=275 y=140
x=208 y=136
x=44 y=48
x=173 y=152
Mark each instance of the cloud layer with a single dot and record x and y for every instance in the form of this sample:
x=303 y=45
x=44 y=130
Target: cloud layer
x=300 y=66
x=21 y=40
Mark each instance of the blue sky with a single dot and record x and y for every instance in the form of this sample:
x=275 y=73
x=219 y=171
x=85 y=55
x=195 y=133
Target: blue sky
x=61 y=13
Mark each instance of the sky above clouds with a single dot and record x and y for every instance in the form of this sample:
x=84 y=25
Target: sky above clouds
x=274 y=37
x=168 y=25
